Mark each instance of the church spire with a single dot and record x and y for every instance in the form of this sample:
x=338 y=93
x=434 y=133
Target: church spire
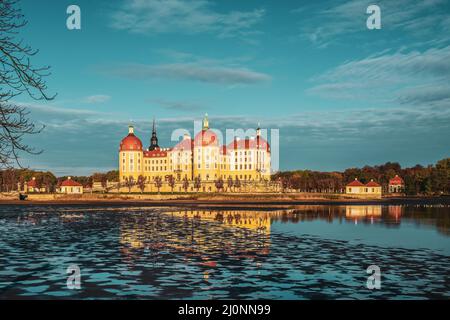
x=154 y=138
x=205 y=122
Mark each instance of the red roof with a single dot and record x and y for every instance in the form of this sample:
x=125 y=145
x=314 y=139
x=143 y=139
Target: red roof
x=206 y=138
x=372 y=184
x=157 y=153
x=70 y=183
x=355 y=183
x=259 y=142
x=184 y=145
x=131 y=143
x=32 y=183
x=396 y=180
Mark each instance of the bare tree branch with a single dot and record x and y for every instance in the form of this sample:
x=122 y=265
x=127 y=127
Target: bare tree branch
x=17 y=76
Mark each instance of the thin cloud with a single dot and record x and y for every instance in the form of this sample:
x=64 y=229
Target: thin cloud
x=406 y=77
x=98 y=98
x=425 y=20
x=191 y=72
x=187 y=17
x=182 y=106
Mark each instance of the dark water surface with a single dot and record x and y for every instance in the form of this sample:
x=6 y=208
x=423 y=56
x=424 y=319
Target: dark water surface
x=311 y=252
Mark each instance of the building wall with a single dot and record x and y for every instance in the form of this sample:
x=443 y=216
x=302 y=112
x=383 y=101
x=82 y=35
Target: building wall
x=364 y=190
x=71 y=190
x=208 y=162
x=396 y=188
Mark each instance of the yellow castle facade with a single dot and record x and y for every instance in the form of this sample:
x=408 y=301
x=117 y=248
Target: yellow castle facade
x=202 y=159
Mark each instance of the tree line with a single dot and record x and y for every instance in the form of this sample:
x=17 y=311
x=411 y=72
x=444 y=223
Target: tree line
x=11 y=179
x=419 y=180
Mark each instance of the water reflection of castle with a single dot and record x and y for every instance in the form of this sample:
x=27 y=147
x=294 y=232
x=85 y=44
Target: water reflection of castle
x=238 y=234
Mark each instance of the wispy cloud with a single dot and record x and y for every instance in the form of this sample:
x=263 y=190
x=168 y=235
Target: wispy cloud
x=187 y=17
x=192 y=72
x=426 y=20
x=182 y=106
x=98 y=98
x=406 y=77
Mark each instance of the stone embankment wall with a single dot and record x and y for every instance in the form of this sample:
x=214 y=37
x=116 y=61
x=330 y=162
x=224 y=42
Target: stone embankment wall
x=188 y=196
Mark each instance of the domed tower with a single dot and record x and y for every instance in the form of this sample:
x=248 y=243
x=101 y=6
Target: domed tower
x=206 y=153
x=130 y=157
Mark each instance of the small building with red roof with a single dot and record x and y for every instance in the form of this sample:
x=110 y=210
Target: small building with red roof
x=32 y=186
x=70 y=186
x=396 y=185
x=357 y=188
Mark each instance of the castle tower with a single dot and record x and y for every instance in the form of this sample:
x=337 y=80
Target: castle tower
x=154 y=138
x=205 y=123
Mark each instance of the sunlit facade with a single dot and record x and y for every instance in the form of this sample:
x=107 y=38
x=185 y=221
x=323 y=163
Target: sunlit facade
x=203 y=157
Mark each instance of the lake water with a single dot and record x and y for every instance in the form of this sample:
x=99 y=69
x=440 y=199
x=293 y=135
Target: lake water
x=310 y=252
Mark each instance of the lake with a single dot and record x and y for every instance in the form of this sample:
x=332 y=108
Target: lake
x=308 y=252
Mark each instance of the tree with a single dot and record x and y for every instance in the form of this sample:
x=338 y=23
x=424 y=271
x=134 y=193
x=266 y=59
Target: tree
x=185 y=184
x=219 y=184
x=158 y=182
x=112 y=175
x=197 y=183
x=171 y=182
x=17 y=76
x=237 y=183
x=129 y=183
x=141 y=183
x=229 y=183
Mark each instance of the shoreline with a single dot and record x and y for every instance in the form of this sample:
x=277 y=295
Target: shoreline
x=232 y=203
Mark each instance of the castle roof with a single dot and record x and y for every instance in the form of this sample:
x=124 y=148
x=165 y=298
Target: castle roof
x=206 y=138
x=131 y=143
x=258 y=143
x=184 y=145
x=156 y=153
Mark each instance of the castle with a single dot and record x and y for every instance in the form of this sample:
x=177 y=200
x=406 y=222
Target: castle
x=202 y=158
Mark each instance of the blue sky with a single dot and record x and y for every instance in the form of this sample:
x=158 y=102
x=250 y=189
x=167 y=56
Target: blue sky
x=340 y=94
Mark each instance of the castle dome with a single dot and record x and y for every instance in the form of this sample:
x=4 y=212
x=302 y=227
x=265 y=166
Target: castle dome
x=206 y=138
x=131 y=142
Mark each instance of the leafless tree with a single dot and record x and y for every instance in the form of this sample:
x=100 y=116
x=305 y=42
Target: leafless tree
x=158 y=182
x=141 y=183
x=17 y=76
x=171 y=182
